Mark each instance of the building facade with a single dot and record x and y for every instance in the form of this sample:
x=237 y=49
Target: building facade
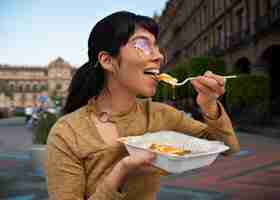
x=245 y=33
x=23 y=85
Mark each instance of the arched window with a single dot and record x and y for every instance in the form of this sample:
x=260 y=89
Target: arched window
x=20 y=88
x=58 y=86
x=242 y=65
x=12 y=87
x=27 y=88
x=43 y=88
x=34 y=88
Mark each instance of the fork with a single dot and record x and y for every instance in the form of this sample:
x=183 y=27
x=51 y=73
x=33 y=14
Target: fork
x=192 y=78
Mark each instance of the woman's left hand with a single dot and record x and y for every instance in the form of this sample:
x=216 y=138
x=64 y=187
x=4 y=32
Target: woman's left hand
x=210 y=87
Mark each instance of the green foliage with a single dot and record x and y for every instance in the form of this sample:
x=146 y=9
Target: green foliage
x=45 y=123
x=163 y=92
x=19 y=113
x=5 y=88
x=199 y=65
x=43 y=88
x=57 y=100
x=248 y=90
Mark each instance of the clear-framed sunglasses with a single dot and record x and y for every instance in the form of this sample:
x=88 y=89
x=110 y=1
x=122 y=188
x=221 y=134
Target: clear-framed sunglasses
x=146 y=48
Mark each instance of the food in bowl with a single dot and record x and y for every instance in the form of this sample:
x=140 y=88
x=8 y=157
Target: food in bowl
x=202 y=152
x=169 y=150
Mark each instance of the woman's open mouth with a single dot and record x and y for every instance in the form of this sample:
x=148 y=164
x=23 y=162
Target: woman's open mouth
x=154 y=72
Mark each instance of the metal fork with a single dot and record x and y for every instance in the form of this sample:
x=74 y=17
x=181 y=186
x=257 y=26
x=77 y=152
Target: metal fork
x=192 y=78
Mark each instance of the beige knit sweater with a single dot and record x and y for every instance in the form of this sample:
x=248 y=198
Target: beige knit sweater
x=78 y=159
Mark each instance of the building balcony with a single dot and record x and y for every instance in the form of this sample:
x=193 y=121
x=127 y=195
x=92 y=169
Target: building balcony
x=216 y=51
x=264 y=23
x=238 y=39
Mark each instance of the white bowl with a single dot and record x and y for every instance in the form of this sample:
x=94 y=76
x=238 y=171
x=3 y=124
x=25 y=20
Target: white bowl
x=203 y=152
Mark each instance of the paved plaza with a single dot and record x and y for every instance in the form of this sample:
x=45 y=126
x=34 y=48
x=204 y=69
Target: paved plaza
x=254 y=173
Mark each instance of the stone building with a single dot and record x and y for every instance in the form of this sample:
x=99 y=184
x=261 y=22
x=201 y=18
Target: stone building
x=245 y=33
x=25 y=84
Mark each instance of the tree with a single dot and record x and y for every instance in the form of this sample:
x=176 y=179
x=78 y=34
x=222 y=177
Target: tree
x=5 y=88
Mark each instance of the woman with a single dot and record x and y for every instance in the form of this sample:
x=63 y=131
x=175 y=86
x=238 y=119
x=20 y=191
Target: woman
x=84 y=160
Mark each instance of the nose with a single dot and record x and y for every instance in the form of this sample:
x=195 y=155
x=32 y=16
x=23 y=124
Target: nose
x=158 y=57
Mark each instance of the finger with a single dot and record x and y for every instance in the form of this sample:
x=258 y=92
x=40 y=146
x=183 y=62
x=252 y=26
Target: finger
x=216 y=82
x=220 y=79
x=132 y=162
x=209 y=92
x=206 y=83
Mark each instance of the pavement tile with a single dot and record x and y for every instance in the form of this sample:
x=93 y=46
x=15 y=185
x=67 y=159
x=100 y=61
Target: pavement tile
x=254 y=173
x=18 y=182
x=251 y=171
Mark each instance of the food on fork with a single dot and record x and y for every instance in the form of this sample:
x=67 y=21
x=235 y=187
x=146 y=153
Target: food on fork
x=168 y=79
x=167 y=149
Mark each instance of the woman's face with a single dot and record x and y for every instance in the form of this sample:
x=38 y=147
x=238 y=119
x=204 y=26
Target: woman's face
x=140 y=54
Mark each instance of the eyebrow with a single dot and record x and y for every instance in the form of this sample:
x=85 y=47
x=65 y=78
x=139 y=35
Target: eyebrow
x=143 y=37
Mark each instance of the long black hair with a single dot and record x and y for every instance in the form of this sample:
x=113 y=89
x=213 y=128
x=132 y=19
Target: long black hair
x=109 y=34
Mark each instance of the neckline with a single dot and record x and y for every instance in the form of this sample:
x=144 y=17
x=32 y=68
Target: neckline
x=126 y=115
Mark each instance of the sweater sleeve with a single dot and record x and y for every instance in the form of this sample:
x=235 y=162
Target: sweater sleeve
x=219 y=129
x=66 y=177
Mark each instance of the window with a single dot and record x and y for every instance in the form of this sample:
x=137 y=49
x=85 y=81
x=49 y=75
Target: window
x=58 y=86
x=274 y=2
x=20 y=88
x=177 y=30
x=34 y=88
x=220 y=36
x=194 y=28
x=199 y=24
x=268 y=5
x=27 y=88
x=204 y=15
x=194 y=50
x=201 y=20
x=205 y=43
x=43 y=88
x=12 y=87
x=218 y=5
x=239 y=20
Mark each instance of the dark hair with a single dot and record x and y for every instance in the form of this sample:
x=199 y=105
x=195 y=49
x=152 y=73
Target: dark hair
x=109 y=34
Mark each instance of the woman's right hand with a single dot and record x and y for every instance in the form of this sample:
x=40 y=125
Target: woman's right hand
x=138 y=162
x=130 y=165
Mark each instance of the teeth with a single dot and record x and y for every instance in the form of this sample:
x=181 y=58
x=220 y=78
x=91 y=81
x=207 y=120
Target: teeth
x=154 y=71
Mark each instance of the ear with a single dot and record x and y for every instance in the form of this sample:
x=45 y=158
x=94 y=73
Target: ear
x=106 y=61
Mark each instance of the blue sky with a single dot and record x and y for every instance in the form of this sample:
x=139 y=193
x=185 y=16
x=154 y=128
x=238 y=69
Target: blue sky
x=35 y=32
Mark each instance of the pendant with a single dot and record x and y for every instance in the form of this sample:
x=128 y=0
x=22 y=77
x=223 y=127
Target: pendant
x=103 y=117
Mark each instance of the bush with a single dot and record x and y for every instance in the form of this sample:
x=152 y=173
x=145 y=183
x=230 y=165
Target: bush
x=19 y=112
x=248 y=90
x=199 y=65
x=249 y=96
x=42 y=129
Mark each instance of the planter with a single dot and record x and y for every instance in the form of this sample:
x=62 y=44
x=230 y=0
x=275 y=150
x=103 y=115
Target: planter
x=38 y=154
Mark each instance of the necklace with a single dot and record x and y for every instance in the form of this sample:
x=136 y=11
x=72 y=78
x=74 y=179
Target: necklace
x=104 y=117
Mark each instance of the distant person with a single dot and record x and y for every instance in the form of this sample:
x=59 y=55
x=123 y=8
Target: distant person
x=28 y=113
x=84 y=159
